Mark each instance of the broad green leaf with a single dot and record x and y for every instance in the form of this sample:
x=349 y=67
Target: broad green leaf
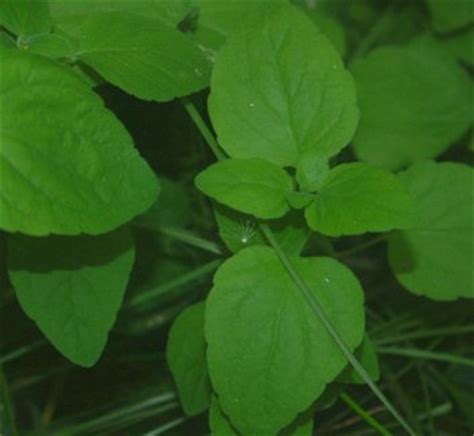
x=357 y=198
x=274 y=98
x=239 y=231
x=434 y=258
x=220 y=425
x=311 y=171
x=25 y=17
x=367 y=356
x=72 y=287
x=450 y=15
x=415 y=102
x=269 y=356
x=67 y=164
x=186 y=355
x=252 y=186
x=154 y=62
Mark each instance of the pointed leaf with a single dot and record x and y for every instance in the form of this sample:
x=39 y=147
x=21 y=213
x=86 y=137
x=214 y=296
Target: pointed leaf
x=72 y=287
x=153 y=62
x=357 y=198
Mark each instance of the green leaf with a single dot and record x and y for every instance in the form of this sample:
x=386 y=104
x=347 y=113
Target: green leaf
x=311 y=171
x=68 y=166
x=239 y=231
x=415 y=102
x=448 y=16
x=357 y=198
x=72 y=287
x=252 y=186
x=434 y=257
x=218 y=422
x=154 y=62
x=186 y=355
x=273 y=97
x=220 y=425
x=269 y=357
x=25 y=17
x=367 y=355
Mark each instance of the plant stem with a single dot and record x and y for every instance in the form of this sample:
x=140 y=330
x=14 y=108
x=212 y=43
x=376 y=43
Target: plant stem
x=168 y=426
x=191 y=239
x=361 y=247
x=424 y=334
x=427 y=355
x=369 y=419
x=15 y=354
x=184 y=279
x=203 y=129
x=301 y=285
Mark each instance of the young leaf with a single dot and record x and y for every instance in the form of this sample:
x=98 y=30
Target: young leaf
x=356 y=198
x=274 y=98
x=72 y=287
x=65 y=159
x=311 y=171
x=367 y=355
x=434 y=257
x=153 y=62
x=269 y=357
x=186 y=355
x=25 y=17
x=460 y=45
x=415 y=102
x=252 y=186
x=448 y=16
x=239 y=231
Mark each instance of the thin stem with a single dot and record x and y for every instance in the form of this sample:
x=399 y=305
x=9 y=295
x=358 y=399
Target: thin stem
x=163 y=428
x=369 y=419
x=182 y=280
x=15 y=354
x=361 y=247
x=160 y=404
x=191 y=239
x=427 y=355
x=424 y=334
x=321 y=315
x=203 y=129
x=305 y=291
